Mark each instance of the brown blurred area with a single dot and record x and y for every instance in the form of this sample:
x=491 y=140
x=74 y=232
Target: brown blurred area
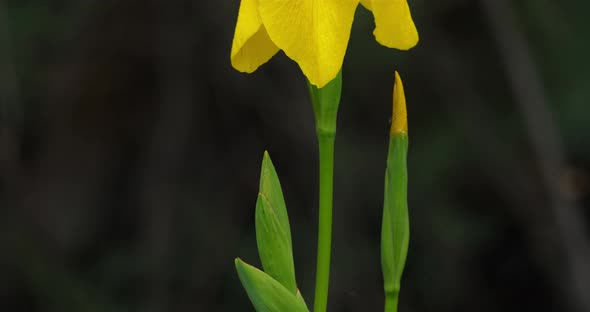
x=130 y=153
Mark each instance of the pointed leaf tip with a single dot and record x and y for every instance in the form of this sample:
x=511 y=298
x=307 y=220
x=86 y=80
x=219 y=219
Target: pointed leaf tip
x=273 y=234
x=399 y=123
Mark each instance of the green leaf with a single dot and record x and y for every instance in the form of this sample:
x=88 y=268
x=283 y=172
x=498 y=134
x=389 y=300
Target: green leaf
x=395 y=232
x=265 y=293
x=273 y=233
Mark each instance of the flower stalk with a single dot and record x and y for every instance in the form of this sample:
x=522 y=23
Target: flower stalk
x=326 y=150
x=325 y=106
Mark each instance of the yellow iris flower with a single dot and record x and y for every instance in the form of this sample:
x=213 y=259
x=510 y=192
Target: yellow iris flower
x=314 y=33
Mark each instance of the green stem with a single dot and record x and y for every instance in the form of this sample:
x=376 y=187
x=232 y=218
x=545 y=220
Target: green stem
x=391 y=301
x=326 y=149
x=325 y=103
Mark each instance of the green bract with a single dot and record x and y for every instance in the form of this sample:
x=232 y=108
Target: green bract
x=266 y=294
x=325 y=103
x=273 y=233
x=275 y=289
x=395 y=232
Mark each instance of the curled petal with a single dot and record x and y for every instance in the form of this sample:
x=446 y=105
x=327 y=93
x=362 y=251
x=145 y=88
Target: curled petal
x=394 y=27
x=314 y=33
x=252 y=46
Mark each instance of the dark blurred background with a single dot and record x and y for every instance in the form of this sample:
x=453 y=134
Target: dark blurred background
x=130 y=153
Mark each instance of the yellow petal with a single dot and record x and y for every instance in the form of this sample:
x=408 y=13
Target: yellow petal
x=367 y=4
x=251 y=46
x=394 y=27
x=399 y=119
x=314 y=33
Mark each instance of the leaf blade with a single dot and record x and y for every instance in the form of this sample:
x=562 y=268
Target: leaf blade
x=273 y=234
x=265 y=293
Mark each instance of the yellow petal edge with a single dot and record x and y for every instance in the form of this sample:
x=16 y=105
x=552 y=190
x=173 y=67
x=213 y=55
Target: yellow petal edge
x=313 y=33
x=399 y=122
x=394 y=26
x=251 y=46
x=367 y=4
